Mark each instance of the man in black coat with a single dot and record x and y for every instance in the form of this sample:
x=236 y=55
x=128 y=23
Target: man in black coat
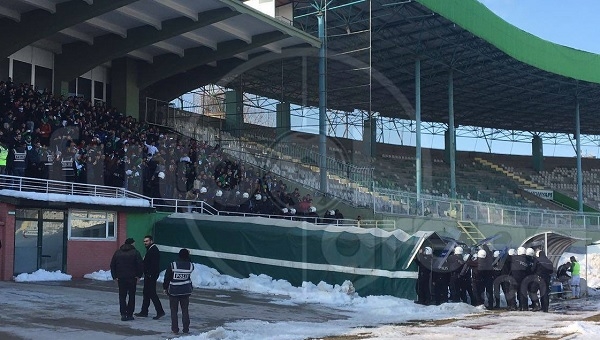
x=519 y=270
x=485 y=259
x=126 y=267
x=151 y=272
x=543 y=269
x=455 y=265
x=178 y=285
x=424 y=262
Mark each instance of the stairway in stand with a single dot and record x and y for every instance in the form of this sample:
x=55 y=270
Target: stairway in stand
x=471 y=231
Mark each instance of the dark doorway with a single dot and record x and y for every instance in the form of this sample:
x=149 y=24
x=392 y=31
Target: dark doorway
x=40 y=238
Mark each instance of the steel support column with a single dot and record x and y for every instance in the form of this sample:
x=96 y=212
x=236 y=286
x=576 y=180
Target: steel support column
x=578 y=151
x=322 y=104
x=418 y=126
x=452 y=135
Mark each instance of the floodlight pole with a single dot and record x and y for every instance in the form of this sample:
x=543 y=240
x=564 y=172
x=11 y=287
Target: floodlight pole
x=418 y=127
x=322 y=102
x=451 y=133
x=578 y=151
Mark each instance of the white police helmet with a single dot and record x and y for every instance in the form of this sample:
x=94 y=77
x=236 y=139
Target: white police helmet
x=258 y=197
x=530 y=252
x=161 y=175
x=203 y=190
x=496 y=253
x=458 y=250
x=521 y=251
x=219 y=193
x=428 y=251
x=245 y=195
x=512 y=252
x=481 y=254
x=284 y=210
x=312 y=209
x=331 y=212
x=292 y=211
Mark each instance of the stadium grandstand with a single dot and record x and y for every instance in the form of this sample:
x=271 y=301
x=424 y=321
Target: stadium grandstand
x=92 y=106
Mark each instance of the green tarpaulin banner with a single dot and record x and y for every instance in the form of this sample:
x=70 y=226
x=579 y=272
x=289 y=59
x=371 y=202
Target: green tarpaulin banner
x=377 y=262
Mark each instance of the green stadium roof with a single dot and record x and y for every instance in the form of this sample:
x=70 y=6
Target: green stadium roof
x=504 y=78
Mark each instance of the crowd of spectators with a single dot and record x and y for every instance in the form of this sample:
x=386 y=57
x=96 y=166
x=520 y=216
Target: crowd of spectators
x=69 y=138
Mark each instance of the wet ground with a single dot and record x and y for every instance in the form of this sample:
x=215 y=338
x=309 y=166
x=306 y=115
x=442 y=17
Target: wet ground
x=88 y=309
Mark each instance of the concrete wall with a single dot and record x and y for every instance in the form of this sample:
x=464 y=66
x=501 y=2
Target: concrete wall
x=84 y=257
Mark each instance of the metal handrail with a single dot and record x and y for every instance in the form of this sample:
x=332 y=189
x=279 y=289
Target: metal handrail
x=46 y=186
x=396 y=202
x=392 y=202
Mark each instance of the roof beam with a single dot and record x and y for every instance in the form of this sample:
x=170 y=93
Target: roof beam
x=179 y=8
x=89 y=2
x=273 y=48
x=42 y=4
x=78 y=35
x=9 y=13
x=48 y=45
x=142 y=55
x=108 y=26
x=140 y=16
x=163 y=45
x=68 y=14
x=78 y=58
x=172 y=87
x=244 y=36
x=167 y=66
x=195 y=37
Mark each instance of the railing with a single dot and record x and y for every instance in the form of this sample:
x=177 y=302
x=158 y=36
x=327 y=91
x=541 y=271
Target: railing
x=394 y=202
x=27 y=184
x=292 y=170
x=342 y=169
x=359 y=191
x=187 y=123
x=189 y=206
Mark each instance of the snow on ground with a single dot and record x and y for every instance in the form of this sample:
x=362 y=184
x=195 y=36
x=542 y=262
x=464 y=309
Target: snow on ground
x=378 y=317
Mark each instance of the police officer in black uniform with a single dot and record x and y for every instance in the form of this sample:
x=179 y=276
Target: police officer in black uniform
x=178 y=286
x=424 y=262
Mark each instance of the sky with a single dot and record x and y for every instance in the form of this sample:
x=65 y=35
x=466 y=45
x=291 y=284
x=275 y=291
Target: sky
x=381 y=317
x=569 y=23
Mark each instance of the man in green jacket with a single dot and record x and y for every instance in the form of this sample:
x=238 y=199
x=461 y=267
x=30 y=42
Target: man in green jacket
x=575 y=278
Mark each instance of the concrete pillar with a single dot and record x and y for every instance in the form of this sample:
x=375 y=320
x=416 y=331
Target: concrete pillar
x=370 y=137
x=537 y=151
x=283 y=124
x=125 y=93
x=234 y=112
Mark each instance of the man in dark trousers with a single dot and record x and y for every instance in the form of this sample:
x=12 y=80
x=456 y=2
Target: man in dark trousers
x=485 y=259
x=455 y=265
x=126 y=267
x=424 y=262
x=151 y=271
x=178 y=286
x=543 y=269
x=519 y=269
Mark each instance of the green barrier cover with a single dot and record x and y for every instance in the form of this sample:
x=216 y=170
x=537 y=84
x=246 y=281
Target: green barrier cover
x=372 y=259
